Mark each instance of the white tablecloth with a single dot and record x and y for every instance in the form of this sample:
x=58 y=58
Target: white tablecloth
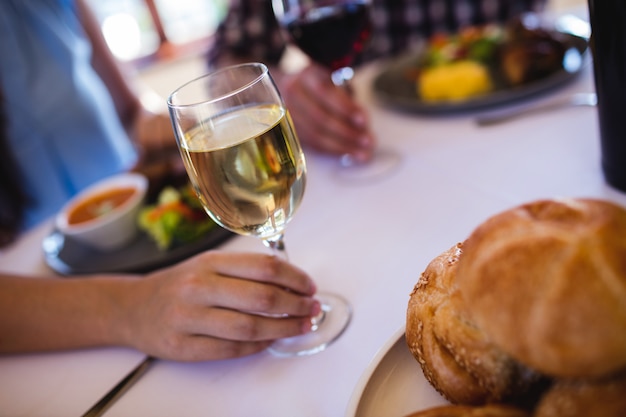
x=368 y=242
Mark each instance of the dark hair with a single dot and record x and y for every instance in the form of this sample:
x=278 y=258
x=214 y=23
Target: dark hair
x=13 y=198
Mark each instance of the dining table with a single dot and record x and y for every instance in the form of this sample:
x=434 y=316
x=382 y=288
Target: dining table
x=366 y=240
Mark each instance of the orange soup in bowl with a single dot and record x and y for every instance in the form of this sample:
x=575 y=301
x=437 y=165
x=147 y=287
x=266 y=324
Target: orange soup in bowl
x=104 y=215
x=99 y=204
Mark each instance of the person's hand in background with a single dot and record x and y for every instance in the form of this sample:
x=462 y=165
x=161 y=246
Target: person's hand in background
x=326 y=117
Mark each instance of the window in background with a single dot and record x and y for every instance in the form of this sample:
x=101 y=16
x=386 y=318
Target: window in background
x=139 y=30
x=189 y=20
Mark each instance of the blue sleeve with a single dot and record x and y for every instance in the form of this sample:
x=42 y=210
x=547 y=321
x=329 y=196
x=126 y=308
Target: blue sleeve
x=62 y=124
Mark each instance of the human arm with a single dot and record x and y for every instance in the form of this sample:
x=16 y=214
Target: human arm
x=326 y=117
x=149 y=126
x=196 y=310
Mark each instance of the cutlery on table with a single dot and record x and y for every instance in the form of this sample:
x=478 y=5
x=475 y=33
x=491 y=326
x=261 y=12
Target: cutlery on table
x=116 y=392
x=575 y=100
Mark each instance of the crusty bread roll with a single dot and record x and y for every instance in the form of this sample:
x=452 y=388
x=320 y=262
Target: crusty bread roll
x=456 y=357
x=585 y=398
x=490 y=410
x=547 y=282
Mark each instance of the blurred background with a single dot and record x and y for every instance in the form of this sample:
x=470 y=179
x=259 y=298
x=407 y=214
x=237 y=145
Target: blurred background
x=165 y=41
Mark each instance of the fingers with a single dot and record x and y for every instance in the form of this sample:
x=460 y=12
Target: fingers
x=220 y=334
x=214 y=333
x=201 y=348
x=221 y=304
x=252 y=283
x=243 y=295
x=197 y=347
x=204 y=348
x=244 y=327
x=327 y=117
x=256 y=267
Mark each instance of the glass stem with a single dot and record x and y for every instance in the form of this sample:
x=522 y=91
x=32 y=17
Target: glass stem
x=277 y=245
x=342 y=77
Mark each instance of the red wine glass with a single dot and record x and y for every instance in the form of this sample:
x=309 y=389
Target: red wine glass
x=333 y=33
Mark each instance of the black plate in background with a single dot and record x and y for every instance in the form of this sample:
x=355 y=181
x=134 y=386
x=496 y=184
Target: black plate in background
x=395 y=89
x=69 y=257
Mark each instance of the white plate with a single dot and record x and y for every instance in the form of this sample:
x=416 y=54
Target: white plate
x=393 y=385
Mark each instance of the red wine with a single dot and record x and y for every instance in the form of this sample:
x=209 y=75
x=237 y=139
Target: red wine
x=332 y=35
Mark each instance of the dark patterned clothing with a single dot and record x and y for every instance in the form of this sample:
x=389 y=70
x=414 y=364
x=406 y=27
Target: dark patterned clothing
x=250 y=29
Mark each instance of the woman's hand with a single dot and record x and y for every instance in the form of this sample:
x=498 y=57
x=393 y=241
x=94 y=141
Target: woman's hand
x=219 y=305
x=325 y=116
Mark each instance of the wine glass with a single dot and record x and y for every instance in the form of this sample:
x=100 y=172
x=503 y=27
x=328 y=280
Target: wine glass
x=333 y=33
x=246 y=164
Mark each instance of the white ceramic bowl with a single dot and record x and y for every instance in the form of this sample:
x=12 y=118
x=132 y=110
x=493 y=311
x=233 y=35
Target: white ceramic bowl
x=106 y=225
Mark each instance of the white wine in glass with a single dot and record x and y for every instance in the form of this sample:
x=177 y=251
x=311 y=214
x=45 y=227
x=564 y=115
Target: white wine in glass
x=246 y=164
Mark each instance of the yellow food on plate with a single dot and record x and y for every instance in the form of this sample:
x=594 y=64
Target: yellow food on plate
x=455 y=81
x=480 y=59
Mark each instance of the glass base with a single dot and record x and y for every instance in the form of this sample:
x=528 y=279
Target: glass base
x=334 y=320
x=383 y=163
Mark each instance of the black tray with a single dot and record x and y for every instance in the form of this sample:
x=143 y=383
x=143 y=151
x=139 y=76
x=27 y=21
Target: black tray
x=69 y=257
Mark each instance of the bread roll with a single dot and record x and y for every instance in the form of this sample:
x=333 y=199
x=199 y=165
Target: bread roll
x=547 y=282
x=456 y=357
x=491 y=410
x=585 y=398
